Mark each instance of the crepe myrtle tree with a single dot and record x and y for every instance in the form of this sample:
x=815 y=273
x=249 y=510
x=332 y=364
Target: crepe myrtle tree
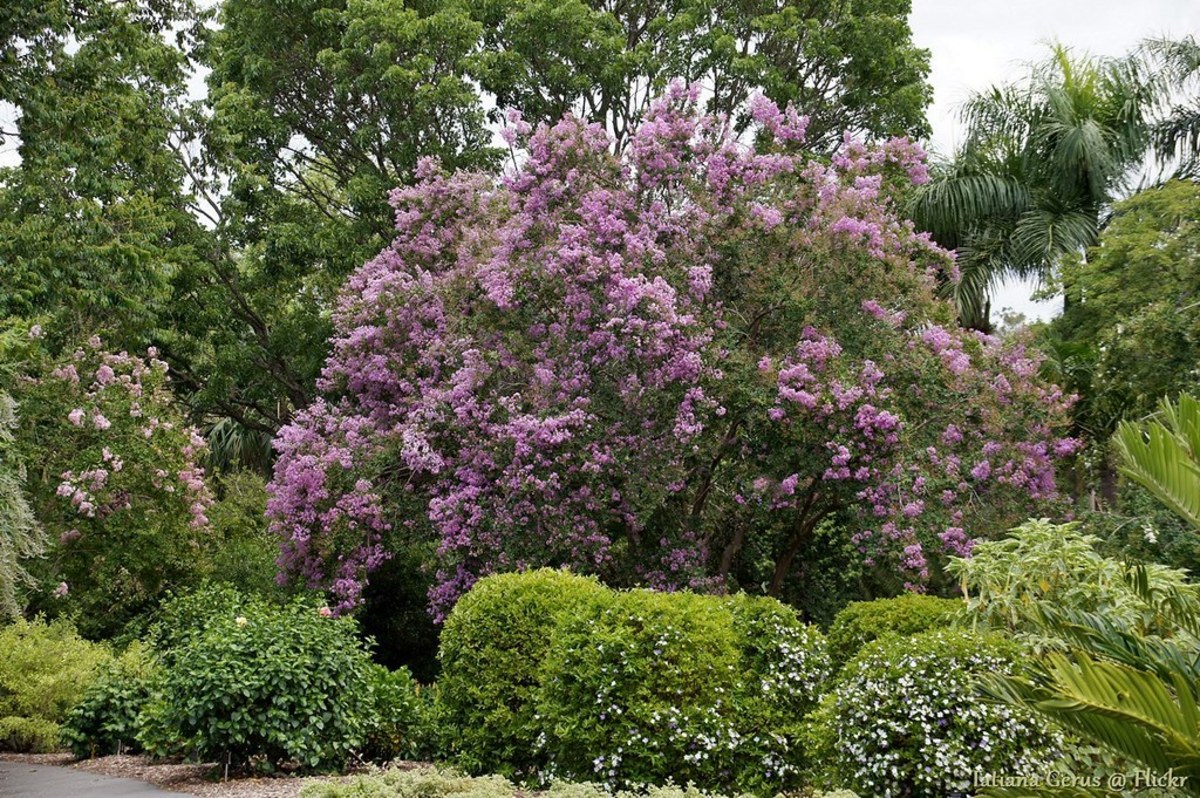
x=646 y=366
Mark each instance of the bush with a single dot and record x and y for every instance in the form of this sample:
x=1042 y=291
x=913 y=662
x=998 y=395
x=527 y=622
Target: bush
x=860 y=622
x=397 y=708
x=418 y=783
x=269 y=687
x=646 y=687
x=493 y=645
x=29 y=735
x=438 y=783
x=906 y=720
x=106 y=721
x=45 y=670
x=1043 y=565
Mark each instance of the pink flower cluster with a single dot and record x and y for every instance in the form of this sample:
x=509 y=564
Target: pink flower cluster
x=551 y=369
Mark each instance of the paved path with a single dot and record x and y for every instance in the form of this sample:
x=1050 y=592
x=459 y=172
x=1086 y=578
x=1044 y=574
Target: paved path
x=24 y=780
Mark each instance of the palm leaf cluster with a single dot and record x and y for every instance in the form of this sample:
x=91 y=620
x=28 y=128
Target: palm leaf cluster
x=1041 y=162
x=1136 y=695
x=1177 y=130
x=1164 y=456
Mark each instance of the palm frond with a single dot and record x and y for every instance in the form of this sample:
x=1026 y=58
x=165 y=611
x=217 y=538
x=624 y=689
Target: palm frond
x=1163 y=456
x=1129 y=711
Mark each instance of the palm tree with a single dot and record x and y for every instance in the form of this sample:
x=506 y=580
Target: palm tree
x=1177 y=131
x=1042 y=161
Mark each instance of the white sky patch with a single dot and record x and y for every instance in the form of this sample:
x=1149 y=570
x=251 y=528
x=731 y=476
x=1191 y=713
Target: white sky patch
x=976 y=44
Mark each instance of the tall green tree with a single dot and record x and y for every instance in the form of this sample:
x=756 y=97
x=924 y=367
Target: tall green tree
x=1042 y=161
x=1133 y=336
x=318 y=111
x=849 y=66
x=94 y=219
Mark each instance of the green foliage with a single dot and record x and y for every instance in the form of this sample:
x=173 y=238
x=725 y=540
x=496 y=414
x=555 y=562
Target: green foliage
x=1133 y=712
x=107 y=718
x=240 y=550
x=45 y=670
x=1164 y=456
x=644 y=687
x=905 y=719
x=492 y=649
x=94 y=217
x=1011 y=583
x=29 y=735
x=855 y=72
x=1142 y=529
x=861 y=622
x=261 y=685
x=1134 y=339
x=417 y=783
x=20 y=536
x=397 y=709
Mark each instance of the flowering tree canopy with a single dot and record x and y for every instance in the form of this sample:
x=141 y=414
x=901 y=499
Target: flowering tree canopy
x=114 y=479
x=646 y=366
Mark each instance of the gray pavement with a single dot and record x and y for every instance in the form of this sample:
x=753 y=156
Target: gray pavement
x=24 y=780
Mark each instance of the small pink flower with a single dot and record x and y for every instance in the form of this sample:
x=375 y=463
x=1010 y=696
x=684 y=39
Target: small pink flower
x=35 y=332
x=325 y=612
x=76 y=417
x=62 y=590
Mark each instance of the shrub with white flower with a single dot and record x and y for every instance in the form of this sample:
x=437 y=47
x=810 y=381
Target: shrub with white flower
x=906 y=719
x=648 y=687
x=114 y=478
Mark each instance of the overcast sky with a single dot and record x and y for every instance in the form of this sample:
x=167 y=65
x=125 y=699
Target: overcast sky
x=977 y=43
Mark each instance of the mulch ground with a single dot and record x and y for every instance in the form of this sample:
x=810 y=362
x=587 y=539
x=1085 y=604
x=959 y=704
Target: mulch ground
x=190 y=779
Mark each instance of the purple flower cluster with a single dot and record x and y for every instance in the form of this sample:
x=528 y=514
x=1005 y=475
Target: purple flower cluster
x=548 y=369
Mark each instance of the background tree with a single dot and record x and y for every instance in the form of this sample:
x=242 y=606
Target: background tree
x=1041 y=163
x=94 y=220
x=850 y=68
x=1133 y=335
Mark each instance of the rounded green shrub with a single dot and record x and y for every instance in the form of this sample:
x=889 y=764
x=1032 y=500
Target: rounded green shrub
x=492 y=648
x=272 y=686
x=45 y=669
x=106 y=720
x=860 y=622
x=396 y=711
x=646 y=687
x=906 y=720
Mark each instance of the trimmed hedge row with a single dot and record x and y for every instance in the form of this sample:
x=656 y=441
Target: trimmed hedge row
x=550 y=675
